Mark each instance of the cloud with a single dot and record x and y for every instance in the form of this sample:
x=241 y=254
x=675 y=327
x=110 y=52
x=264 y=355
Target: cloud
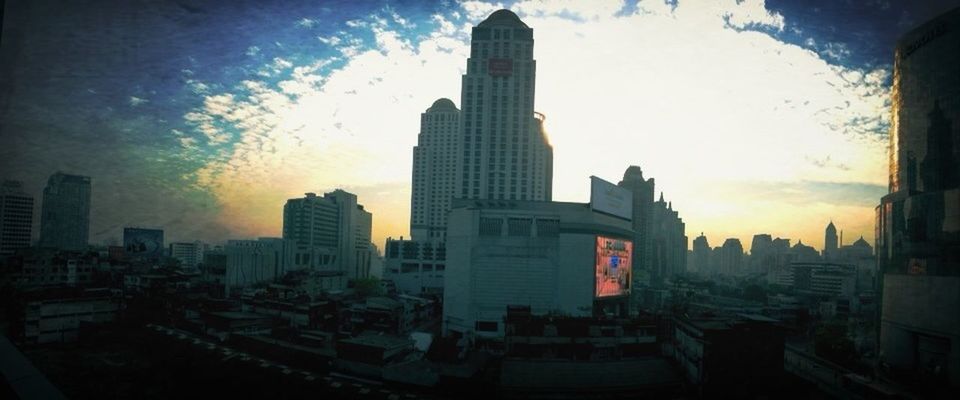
x=701 y=94
x=330 y=40
x=137 y=101
x=252 y=51
x=306 y=23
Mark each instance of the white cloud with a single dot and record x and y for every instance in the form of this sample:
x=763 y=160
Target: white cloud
x=137 y=101
x=331 y=40
x=306 y=23
x=691 y=93
x=253 y=50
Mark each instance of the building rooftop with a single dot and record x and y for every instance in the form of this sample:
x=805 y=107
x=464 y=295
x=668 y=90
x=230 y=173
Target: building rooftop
x=442 y=104
x=503 y=17
x=381 y=341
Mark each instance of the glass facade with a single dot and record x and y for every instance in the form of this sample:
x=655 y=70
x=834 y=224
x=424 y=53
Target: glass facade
x=918 y=222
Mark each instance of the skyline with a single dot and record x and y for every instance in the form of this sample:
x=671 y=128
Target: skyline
x=242 y=148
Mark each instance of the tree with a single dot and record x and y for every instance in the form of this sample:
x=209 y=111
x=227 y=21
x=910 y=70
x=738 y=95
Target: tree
x=754 y=292
x=831 y=342
x=366 y=287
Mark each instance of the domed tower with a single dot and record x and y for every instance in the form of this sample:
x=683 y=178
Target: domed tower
x=434 y=170
x=505 y=154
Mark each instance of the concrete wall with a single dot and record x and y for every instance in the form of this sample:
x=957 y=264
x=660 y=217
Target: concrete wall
x=918 y=306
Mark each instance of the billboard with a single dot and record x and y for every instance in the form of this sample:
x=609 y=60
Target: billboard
x=500 y=66
x=146 y=244
x=613 y=266
x=611 y=199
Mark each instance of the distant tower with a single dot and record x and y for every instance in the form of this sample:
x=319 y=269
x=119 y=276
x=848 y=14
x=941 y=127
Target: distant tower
x=65 y=214
x=701 y=255
x=830 y=241
x=16 y=217
x=731 y=257
x=435 y=159
x=643 y=190
x=505 y=150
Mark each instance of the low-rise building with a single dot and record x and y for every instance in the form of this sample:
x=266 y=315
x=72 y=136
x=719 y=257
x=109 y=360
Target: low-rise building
x=57 y=317
x=734 y=356
x=415 y=267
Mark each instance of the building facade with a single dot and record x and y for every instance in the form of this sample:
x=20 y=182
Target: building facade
x=16 y=218
x=252 y=262
x=918 y=222
x=190 y=254
x=65 y=213
x=506 y=154
x=559 y=258
x=415 y=267
x=435 y=160
x=329 y=233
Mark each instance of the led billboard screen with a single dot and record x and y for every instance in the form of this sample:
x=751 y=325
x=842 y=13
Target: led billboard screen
x=613 y=266
x=144 y=244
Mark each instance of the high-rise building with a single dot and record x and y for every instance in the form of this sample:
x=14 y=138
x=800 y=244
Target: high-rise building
x=65 y=213
x=661 y=248
x=762 y=257
x=16 y=217
x=830 y=245
x=668 y=255
x=329 y=233
x=435 y=173
x=643 y=202
x=505 y=150
x=918 y=222
x=701 y=256
x=731 y=257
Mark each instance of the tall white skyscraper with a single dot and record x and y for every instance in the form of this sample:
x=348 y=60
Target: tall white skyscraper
x=16 y=217
x=65 y=214
x=435 y=162
x=505 y=150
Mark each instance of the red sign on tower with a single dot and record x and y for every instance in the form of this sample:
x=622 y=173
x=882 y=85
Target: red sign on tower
x=500 y=67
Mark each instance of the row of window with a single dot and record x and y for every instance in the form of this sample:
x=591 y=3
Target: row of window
x=519 y=227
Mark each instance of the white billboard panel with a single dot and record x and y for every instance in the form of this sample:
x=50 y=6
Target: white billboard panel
x=611 y=199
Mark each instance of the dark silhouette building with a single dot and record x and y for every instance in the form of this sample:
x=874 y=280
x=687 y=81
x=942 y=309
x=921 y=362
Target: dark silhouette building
x=65 y=216
x=661 y=243
x=918 y=222
x=830 y=245
x=701 y=255
x=731 y=257
x=16 y=218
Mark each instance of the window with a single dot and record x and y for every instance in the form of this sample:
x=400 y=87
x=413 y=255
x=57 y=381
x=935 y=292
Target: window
x=548 y=227
x=519 y=227
x=490 y=226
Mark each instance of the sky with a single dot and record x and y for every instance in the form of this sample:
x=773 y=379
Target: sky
x=202 y=118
